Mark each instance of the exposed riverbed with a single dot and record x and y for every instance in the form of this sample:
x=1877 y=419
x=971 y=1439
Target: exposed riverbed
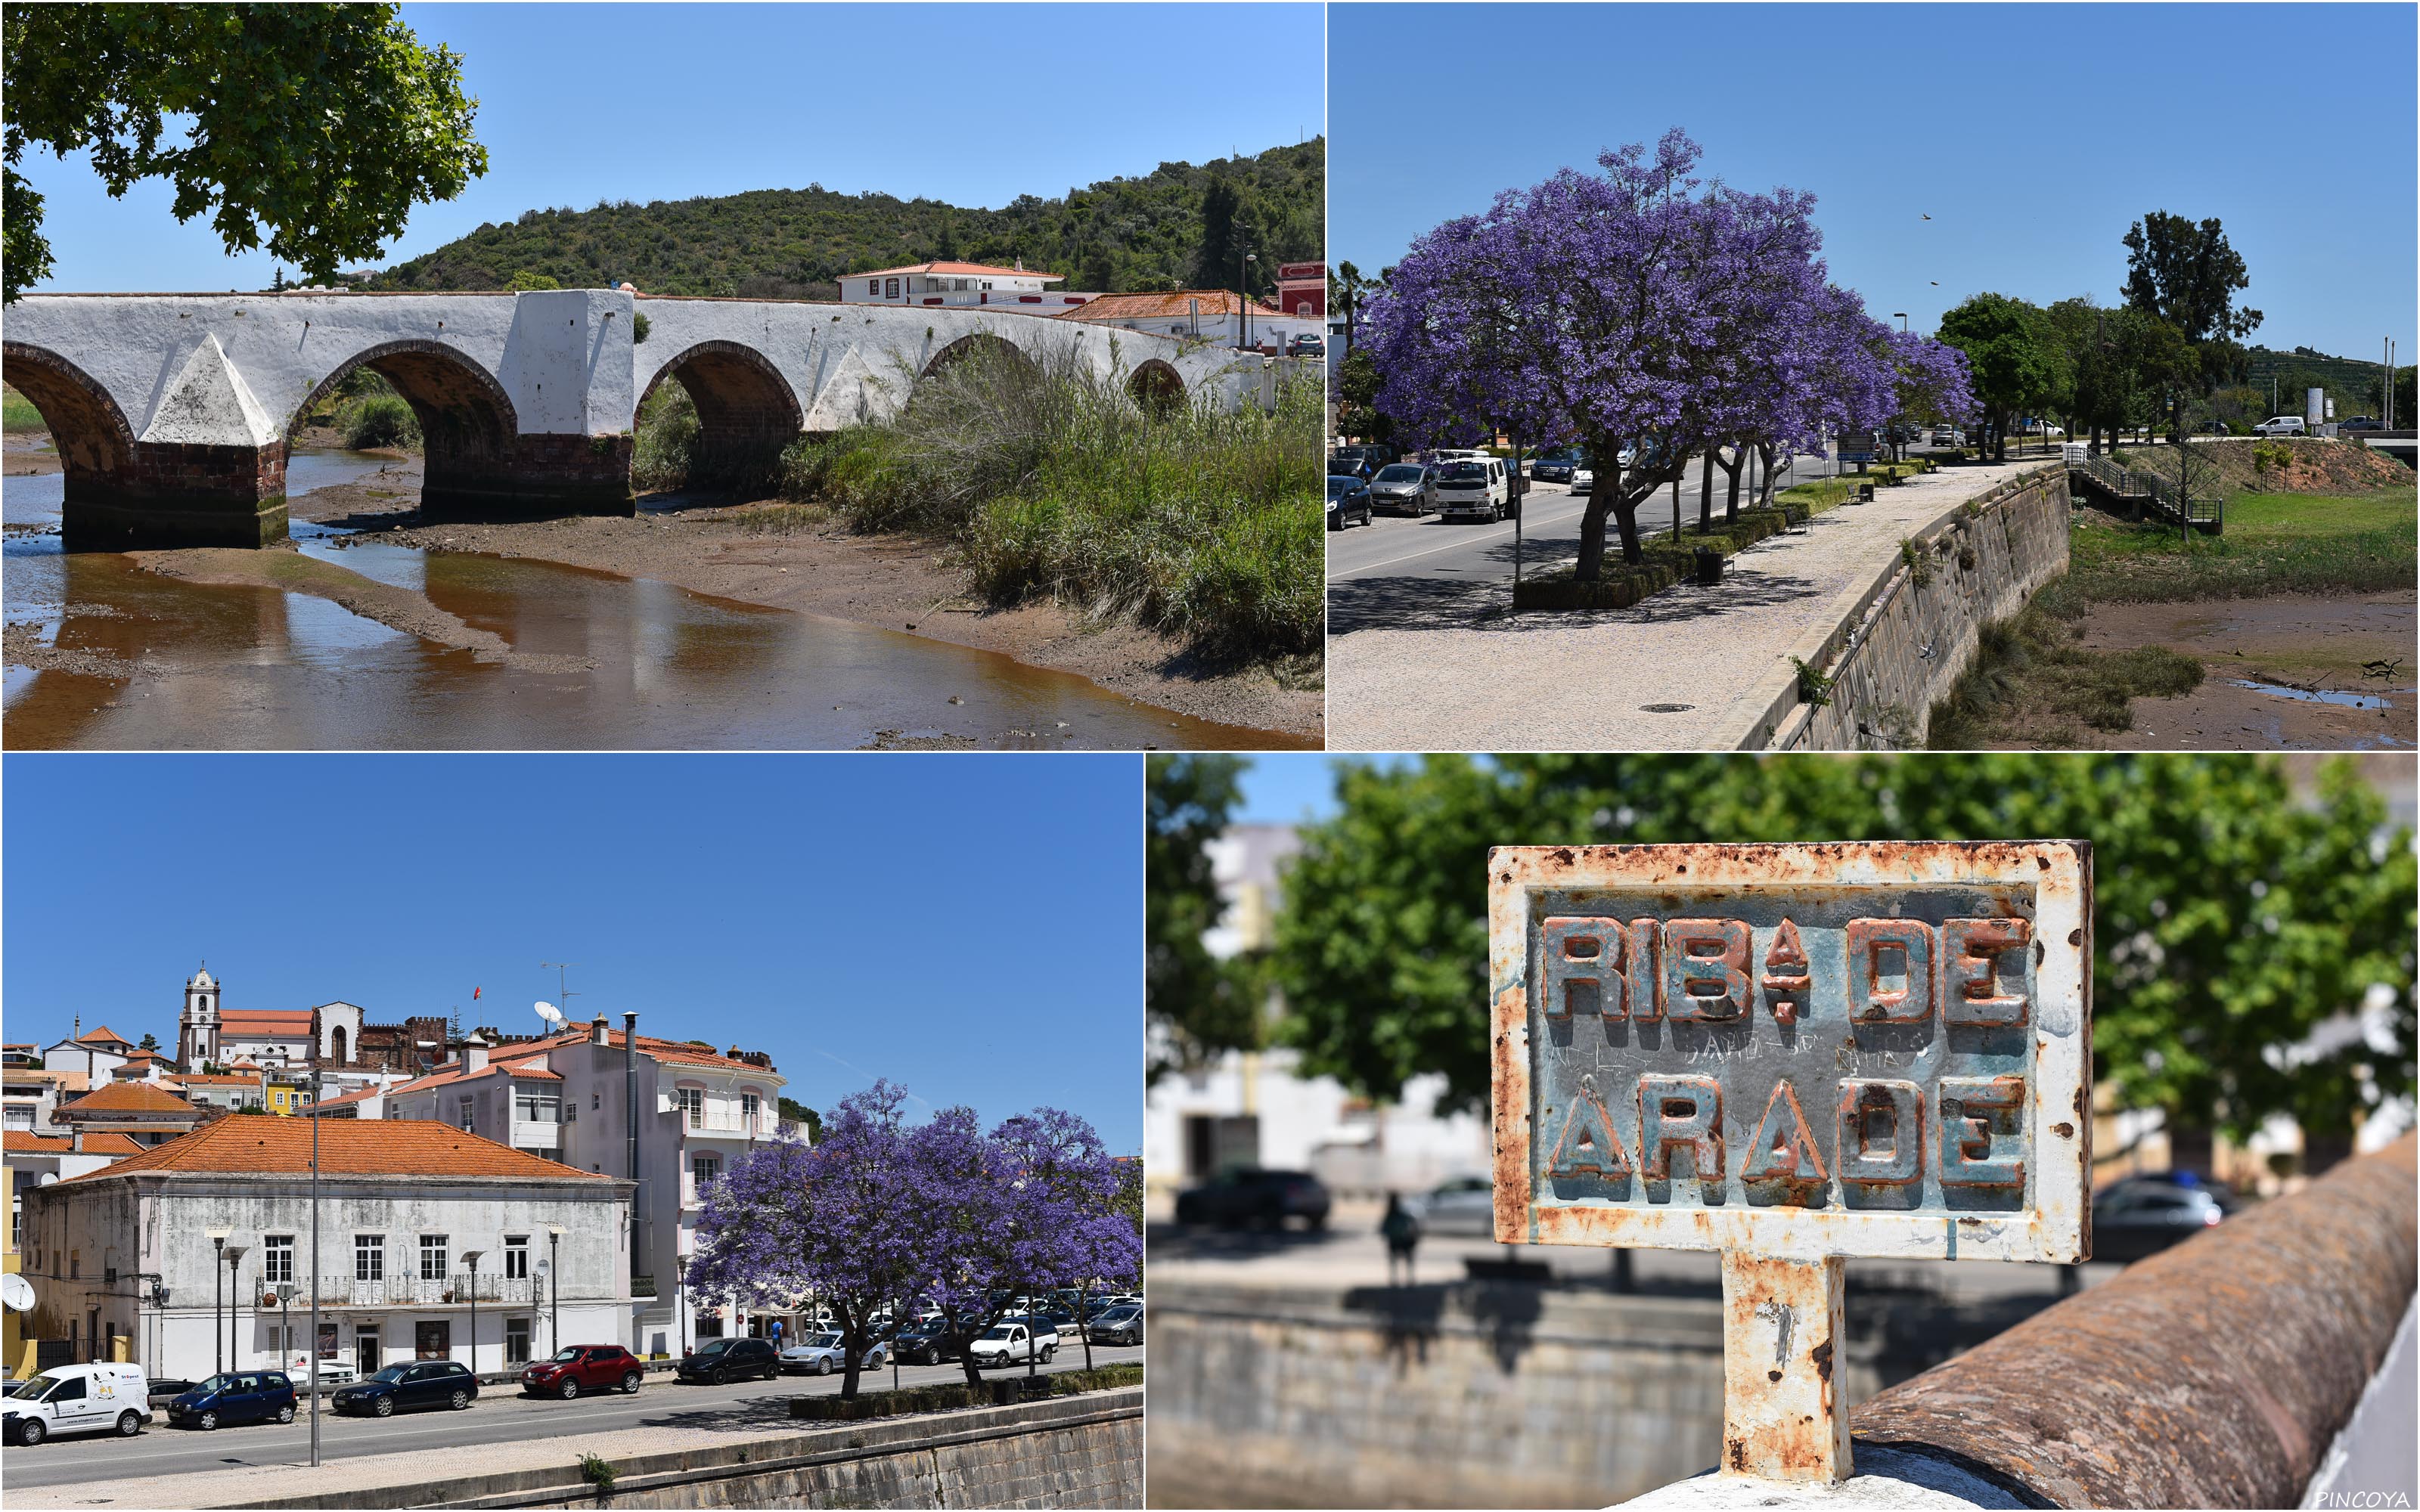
x=407 y=637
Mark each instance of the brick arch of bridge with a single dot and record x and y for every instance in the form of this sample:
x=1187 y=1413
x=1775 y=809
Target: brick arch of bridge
x=982 y=344
x=96 y=445
x=746 y=410
x=468 y=426
x=1156 y=386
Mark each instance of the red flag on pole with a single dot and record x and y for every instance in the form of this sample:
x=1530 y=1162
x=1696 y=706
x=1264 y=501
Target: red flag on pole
x=474 y=995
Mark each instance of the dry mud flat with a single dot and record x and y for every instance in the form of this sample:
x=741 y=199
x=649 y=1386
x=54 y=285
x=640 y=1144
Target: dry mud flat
x=897 y=582
x=2308 y=652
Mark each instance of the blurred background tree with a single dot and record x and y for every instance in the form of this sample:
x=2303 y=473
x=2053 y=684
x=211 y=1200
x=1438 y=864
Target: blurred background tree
x=1196 y=1003
x=2252 y=944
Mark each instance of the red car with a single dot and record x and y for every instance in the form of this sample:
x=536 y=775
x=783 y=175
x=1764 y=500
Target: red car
x=578 y=1368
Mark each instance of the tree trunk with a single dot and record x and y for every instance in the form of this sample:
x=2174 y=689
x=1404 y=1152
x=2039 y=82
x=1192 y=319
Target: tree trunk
x=1765 y=485
x=1084 y=1323
x=1607 y=499
x=1731 y=468
x=1706 y=492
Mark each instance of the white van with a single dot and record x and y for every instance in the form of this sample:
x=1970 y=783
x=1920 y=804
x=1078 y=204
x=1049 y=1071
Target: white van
x=1473 y=488
x=78 y=1398
x=2281 y=426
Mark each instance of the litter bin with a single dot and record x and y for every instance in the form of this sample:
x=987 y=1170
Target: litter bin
x=1709 y=567
x=1865 y=493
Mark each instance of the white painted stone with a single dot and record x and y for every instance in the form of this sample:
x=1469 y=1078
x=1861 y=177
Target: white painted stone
x=209 y=404
x=1887 y=1479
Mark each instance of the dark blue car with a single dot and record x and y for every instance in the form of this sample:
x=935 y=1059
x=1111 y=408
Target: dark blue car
x=235 y=1396
x=400 y=1388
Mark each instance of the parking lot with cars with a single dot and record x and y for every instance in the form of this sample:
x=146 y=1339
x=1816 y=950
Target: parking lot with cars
x=501 y=1413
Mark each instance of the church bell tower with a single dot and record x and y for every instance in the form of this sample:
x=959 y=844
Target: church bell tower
x=197 y=1027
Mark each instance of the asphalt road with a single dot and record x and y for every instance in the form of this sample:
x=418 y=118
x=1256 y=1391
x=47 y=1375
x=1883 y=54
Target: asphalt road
x=502 y=1414
x=1405 y=573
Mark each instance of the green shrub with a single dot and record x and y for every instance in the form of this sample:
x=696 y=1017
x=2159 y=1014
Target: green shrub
x=379 y=420
x=665 y=444
x=17 y=412
x=2031 y=680
x=598 y=1472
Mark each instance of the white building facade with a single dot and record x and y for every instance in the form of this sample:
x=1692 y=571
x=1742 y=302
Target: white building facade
x=949 y=285
x=178 y=1258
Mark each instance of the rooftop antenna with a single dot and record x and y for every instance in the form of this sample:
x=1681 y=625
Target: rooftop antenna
x=562 y=994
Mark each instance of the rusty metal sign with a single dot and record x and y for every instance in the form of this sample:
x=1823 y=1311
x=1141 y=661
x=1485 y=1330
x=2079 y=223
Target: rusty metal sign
x=1793 y=1054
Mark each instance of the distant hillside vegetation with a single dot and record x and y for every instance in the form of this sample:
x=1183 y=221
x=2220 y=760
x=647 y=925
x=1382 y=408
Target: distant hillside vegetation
x=1178 y=227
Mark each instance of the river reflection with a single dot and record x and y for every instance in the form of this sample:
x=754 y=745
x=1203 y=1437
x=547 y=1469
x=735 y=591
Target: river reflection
x=177 y=665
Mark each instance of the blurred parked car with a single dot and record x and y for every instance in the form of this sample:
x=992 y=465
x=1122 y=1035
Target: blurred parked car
x=2143 y=1214
x=721 y=1359
x=404 y=1387
x=1118 y=1325
x=1405 y=488
x=235 y=1396
x=2281 y=426
x=1583 y=480
x=1250 y=1197
x=2361 y=423
x=827 y=1352
x=578 y=1368
x=925 y=1343
x=1307 y=346
x=1348 y=498
x=1466 y=1204
x=1556 y=465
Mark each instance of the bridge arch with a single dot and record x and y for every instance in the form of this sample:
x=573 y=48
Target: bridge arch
x=96 y=445
x=978 y=343
x=1156 y=387
x=747 y=411
x=467 y=425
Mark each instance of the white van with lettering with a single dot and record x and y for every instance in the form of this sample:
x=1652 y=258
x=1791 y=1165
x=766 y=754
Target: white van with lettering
x=1473 y=488
x=78 y=1398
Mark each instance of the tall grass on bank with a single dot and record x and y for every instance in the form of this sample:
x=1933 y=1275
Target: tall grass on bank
x=379 y=420
x=17 y=412
x=665 y=447
x=2031 y=682
x=1055 y=482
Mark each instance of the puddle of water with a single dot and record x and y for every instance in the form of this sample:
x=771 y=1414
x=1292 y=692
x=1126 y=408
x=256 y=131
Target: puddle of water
x=256 y=668
x=2348 y=701
x=34 y=502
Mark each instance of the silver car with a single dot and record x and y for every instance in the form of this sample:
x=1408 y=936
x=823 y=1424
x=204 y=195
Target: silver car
x=1405 y=488
x=823 y=1353
x=1466 y=1204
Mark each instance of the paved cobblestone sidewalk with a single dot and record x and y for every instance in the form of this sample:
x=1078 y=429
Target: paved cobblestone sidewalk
x=1581 y=682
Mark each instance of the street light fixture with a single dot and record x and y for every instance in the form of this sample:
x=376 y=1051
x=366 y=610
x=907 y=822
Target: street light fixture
x=218 y=1242
x=553 y=1288
x=235 y=1253
x=471 y=1258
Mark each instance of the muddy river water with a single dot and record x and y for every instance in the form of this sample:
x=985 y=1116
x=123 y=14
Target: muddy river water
x=151 y=661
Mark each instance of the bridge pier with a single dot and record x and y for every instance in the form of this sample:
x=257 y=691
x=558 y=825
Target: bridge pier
x=530 y=477
x=172 y=494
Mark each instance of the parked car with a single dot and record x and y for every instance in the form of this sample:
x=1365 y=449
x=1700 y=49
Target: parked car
x=926 y=1343
x=235 y=1396
x=823 y=1353
x=1307 y=347
x=1249 y=1195
x=1949 y=436
x=578 y=1368
x=77 y=1398
x=1013 y=1341
x=1466 y=1204
x=401 y=1388
x=2143 y=1214
x=1556 y=465
x=1348 y=498
x=1583 y=480
x=1474 y=488
x=2281 y=426
x=1404 y=487
x=717 y=1361
x=1118 y=1325
x=1356 y=462
x=2361 y=423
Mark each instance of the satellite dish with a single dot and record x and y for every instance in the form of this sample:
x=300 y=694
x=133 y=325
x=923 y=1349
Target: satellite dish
x=548 y=1012
x=546 y=1268
x=17 y=1292
x=46 y=1177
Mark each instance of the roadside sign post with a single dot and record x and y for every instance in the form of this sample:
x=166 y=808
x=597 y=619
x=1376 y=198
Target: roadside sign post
x=1791 y=1054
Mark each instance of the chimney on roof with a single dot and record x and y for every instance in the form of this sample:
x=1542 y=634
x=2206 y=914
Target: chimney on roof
x=475 y=1052
x=75 y=1139
x=600 y=1032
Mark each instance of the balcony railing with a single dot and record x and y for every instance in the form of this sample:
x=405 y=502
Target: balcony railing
x=406 y=1292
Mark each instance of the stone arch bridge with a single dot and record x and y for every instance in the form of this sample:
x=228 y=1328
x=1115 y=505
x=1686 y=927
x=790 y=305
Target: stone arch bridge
x=172 y=412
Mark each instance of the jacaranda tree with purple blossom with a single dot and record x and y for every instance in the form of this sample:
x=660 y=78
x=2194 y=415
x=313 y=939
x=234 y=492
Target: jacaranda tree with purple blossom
x=882 y=1215
x=1639 y=311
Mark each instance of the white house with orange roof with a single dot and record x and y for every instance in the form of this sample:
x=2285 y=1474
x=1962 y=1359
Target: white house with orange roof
x=158 y=1258
x=960 y=285
x=1217 y=316
x=569 y=1097
x=96 y=1055
x=148 y=1114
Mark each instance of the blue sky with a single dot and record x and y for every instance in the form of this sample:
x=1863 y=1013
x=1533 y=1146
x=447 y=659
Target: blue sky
x=2291 y=124
x=971 y=105
x=970 y=926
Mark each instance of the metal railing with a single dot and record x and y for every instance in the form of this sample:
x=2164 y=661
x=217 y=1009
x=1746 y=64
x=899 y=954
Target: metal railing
x=406 y=1291
x=2149 y=491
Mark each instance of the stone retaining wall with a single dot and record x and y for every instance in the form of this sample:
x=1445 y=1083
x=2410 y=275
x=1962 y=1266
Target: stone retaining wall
x=1914 y=631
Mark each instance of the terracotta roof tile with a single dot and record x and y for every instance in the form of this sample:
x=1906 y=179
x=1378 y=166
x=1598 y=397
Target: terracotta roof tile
x=24 y=1142
x=1169 y=305
x=113 y=1144
x=957 y=270
x=273 y=1020
x=383 y=1147
x=128 y=1097
x=105 y=1035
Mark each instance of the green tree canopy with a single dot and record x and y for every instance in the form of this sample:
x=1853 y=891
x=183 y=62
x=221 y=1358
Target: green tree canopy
x=2013 y=356
x=322 y=125
x=2185 y=273
x=2233 y=915
x=793 y=1111
x=1198 y=1003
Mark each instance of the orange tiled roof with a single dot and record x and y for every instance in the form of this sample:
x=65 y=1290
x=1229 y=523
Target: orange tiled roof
x=24 y=1142
x=956 y=270
x=383 y=1146
x=105 y=1035
x=113 y=1144
x=669 y=1051
x=1172 y=305
x=206 y=1079
x=279 y=1022
x=128 y=1097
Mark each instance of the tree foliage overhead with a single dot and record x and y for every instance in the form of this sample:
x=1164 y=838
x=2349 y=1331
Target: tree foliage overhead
x=1120 y=235
x=1198 y=1003
x=2012 y=354
x=2186 y=274
x=2233 y=915
x=316 y=128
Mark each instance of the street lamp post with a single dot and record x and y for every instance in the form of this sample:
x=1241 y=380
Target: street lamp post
x=235 y=1304
x=471 y=1258
x=553 y=1288
x=218 y=1279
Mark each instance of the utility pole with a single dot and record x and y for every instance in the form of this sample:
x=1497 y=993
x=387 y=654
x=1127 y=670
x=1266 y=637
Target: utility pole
x=316 y=1272
x=562 y=970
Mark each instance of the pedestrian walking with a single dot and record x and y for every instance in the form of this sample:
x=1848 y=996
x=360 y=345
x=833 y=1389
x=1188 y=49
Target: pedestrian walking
x=1403 y=1231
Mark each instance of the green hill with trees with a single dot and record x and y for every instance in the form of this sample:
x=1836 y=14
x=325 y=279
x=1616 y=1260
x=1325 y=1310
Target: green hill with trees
x=1178 y=226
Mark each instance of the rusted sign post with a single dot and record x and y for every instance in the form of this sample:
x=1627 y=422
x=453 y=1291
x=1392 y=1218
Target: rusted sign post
x=1793 y=1054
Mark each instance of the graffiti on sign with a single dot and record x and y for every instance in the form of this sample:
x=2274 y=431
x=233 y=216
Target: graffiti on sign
x=1794 y=1051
